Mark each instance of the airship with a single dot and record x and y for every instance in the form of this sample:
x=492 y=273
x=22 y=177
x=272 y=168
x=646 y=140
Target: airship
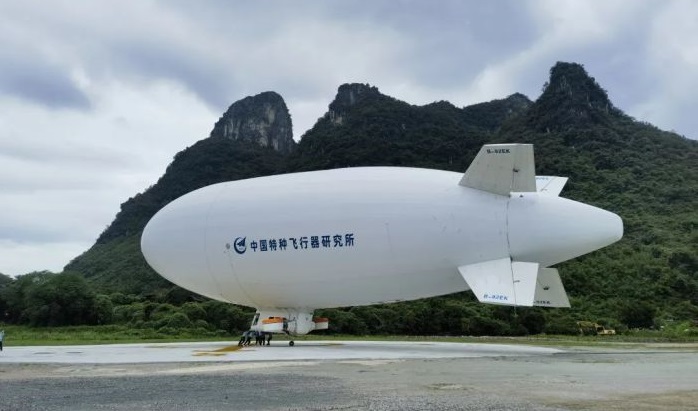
x=293 y=243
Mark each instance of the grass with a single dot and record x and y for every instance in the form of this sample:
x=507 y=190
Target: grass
x=109 y=334
x=537 y=340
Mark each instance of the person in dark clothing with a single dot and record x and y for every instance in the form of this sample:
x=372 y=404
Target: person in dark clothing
x=269 y=335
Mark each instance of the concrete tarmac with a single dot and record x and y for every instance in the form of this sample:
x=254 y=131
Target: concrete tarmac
x=348 y=376
x=279 y=351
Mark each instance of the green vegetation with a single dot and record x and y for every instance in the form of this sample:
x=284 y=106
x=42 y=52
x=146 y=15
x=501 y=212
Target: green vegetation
x=62 y=306
x=648 y=281
x=18 y=335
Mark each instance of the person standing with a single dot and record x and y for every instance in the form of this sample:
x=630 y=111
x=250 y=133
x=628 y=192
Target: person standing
x=2 y=338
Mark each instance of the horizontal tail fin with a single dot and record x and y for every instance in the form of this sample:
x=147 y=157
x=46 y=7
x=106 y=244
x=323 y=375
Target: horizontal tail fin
x=550 y=185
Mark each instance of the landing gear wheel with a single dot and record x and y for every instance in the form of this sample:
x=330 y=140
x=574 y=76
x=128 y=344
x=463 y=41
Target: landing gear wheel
x=291 y=343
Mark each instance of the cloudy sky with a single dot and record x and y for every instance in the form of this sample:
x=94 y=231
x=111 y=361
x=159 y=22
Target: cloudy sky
x=96 y=97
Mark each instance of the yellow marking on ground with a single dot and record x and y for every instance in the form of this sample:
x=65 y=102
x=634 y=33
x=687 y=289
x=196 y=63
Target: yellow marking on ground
x=229 y=348
x=218 y=352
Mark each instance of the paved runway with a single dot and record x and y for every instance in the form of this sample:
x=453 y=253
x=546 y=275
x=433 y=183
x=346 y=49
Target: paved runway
x=351 y=375
x=225 y=352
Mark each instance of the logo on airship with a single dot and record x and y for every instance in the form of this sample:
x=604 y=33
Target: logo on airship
x=239 y=245
x=306 y=242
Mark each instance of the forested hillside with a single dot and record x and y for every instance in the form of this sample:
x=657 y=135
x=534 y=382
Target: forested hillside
x=647 y=176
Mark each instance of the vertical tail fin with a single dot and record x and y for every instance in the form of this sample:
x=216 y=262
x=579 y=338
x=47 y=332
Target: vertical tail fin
x=501 y=169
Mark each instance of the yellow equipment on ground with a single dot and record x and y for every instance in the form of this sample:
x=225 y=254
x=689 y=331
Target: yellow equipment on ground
x=591 y=328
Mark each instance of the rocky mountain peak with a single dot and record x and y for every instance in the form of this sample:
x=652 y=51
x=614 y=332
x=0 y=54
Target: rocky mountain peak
x=263 y=119
x=349 y=95
x=518 y=101
x=571 y=98
x=571 y=83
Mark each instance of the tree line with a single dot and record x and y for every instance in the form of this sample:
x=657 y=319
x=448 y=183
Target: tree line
x=44 y=299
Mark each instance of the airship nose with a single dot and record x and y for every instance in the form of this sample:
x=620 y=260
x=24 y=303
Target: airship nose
x=173 y=244
x=550 y=230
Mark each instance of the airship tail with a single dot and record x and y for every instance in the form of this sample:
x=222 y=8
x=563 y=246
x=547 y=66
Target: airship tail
x=542 y=229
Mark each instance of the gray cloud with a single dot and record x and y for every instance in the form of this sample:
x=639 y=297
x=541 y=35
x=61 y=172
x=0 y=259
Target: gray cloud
x=30 y=71
x=42 y=85
x=165 y=63
x=450 y=42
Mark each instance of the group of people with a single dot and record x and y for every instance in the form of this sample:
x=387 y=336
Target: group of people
x=260 y=337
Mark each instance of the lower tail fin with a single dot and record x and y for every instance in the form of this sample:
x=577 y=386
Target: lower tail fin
x=516 y=283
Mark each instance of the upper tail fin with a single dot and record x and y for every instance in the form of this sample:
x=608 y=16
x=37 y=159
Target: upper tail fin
x=501 y=169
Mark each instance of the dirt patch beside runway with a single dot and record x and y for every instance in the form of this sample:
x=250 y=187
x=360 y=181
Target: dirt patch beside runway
x=686 y=400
